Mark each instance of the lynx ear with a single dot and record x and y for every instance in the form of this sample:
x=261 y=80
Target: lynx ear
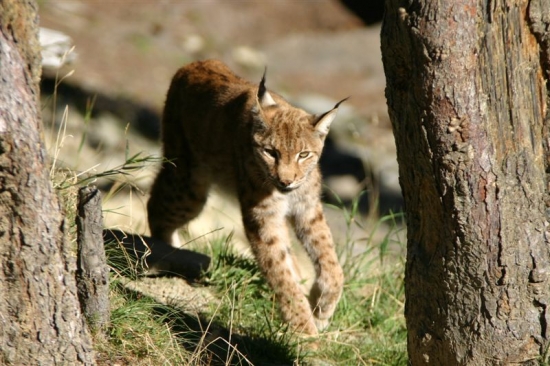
x=322 y=123
x=264 y=98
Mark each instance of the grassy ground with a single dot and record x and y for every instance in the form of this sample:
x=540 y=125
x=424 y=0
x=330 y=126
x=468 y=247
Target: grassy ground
x=244 y=328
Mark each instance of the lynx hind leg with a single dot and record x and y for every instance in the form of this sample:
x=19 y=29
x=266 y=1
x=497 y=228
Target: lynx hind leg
x=178 y=196
x=314 y=233
x=270 y=248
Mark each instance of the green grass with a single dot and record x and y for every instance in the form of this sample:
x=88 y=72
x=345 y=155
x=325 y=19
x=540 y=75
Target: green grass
x=367 y=328
x=141 y=332
x=244 y=327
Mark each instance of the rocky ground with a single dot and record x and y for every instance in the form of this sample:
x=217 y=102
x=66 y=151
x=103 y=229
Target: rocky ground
x=317 y=52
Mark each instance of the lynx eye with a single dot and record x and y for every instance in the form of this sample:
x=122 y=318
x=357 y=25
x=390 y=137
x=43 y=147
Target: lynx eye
x=303 y=154
x=271 y=152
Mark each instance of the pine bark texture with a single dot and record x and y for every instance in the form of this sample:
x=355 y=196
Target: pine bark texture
x=468 y=100
x=40 y=319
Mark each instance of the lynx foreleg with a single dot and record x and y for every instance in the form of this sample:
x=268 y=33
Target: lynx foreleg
x=268 y=236
x=314 y=233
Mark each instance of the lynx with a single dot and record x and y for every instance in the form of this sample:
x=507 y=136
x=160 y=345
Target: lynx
x=220 y=129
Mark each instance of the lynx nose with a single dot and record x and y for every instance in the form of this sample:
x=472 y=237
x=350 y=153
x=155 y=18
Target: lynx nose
x=286 y=177
x=285 y=183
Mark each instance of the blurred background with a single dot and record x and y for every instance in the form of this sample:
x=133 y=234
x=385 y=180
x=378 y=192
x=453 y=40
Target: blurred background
x=104 y=104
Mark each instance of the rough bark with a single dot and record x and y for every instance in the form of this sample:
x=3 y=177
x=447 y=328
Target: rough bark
x=40 y=319
x=93 y=272
x=468 y=101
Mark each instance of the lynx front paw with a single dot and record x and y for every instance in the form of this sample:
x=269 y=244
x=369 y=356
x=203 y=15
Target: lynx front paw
x=324 y=297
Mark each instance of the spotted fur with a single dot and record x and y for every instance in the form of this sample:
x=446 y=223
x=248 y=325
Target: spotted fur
x=219 y=128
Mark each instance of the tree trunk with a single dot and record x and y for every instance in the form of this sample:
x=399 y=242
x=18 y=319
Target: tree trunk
x=40 y=319
x=468 y=101
x=92 y=275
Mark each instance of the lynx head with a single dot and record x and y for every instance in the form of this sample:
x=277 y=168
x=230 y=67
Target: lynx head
x=287 y=140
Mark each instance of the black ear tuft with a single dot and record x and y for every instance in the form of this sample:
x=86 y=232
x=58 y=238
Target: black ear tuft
x=264 y=98
x=340 y=102
x=262 y=89
x=323 y=122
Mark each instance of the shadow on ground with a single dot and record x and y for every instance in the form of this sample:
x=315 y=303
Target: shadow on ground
x=214 y=344
x=207 y=341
